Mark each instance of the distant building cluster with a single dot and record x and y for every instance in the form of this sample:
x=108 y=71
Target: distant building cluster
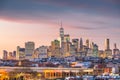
x=64 y=47
x=9 y=55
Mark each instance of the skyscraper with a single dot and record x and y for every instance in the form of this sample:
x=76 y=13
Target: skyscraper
x=62 y=35
x=107 y=44
x=5 y=55
x=95 y=50
x=55 y=44
x=75 y=42
x=108 y=51
x=91 y=45
x=67 y=48
x=115 y=46
x=115 y=50
x=66 y=38
x=87 y=43
x=29 y=50
x=20 y=53
x=43 y=52
x=14 y=54
x=62 y=40
x=10 y=56
x=81 y=44
x=55 y=48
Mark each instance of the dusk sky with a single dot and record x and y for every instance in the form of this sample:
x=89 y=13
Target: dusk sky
x=39 y=21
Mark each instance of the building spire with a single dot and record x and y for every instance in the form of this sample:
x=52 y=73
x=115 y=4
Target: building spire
x=115 y=46
x=81 y=44
x=61 y=24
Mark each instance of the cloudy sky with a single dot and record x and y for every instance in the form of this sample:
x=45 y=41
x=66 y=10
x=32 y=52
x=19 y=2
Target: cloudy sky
x=39 y=21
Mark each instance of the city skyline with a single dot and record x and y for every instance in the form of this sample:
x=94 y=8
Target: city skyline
x=39 y=21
